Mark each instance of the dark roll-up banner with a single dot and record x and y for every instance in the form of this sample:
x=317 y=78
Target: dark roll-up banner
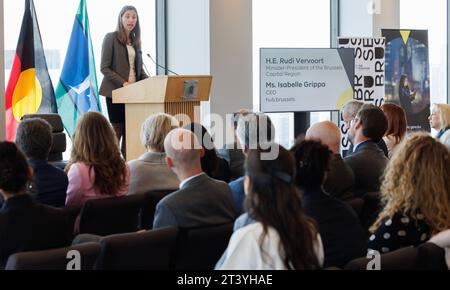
x=408 y=74
x=369 y=74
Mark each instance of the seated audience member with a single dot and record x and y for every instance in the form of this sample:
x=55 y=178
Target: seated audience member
x=349 y=112
x=24 y=224
x=396 y=129
x=339 y=180
x=341 y=231
x=445 y=139
x=150 y=171
x=201 y=200
x=232 y=152
x=214 y=166
x=416 y=191
x=95 y=169
x=440 y=119
x=49 y=185
x=253 y=129
x=282 y=237
x=367 y=160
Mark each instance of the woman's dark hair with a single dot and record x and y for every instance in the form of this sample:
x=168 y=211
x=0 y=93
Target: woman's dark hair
x=14 y=174
x=210 y=161
x=275 y=201
x=312 y=160
x=135 y=34
x=402 y=81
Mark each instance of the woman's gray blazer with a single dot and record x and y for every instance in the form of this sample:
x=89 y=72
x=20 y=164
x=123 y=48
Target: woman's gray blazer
x=115 y=65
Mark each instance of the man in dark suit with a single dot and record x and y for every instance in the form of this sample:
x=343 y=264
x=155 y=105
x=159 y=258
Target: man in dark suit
x=201 y=200
x=339 y=181
x=367 y=160
x=49 y=185
x=253 y=129
x=349 y=112
x=24 y=224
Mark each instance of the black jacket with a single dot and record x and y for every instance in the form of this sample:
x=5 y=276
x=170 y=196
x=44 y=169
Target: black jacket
x=339 y=227
x=368 y=163
x=28 y=226
x=340 y=179
x=49 y=183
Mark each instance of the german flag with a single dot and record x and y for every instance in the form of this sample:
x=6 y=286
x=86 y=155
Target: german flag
x=29 y=89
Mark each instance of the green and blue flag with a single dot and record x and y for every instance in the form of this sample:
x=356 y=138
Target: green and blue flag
x=77 y=90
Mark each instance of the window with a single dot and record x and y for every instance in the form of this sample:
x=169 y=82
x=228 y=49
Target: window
x=288 y=23
x=56 y=28
x=430 y=15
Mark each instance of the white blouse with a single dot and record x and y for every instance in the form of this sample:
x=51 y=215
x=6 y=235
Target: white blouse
x=131 y=59
x=244 y=252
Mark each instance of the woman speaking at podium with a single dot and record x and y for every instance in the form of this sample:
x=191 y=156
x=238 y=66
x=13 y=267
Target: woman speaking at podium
x=121 y=65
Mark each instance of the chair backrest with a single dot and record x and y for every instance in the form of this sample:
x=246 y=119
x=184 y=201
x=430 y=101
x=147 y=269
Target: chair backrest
x=401 y=259
x=72 y=211
x=371 y=209
x=431 y=257
x=59 y=137
x=151 y=250
x=54 y=259
x=112 y=215
x=201 y=248
x=147 y=213
x=356 y=204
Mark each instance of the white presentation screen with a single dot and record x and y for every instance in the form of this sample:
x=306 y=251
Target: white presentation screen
x=305 y=79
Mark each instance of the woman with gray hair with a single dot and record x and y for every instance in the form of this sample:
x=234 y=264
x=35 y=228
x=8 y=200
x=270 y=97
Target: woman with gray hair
x=150 y=171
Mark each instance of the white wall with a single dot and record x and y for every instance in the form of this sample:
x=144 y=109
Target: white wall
x=388 y=16
x=366 y=18
x=354 y=20
x=188 y=36
x=213 y=37
x=231 y=55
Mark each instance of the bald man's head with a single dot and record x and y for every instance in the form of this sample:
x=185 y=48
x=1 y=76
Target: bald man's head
x=182 y=147
x=327 y=133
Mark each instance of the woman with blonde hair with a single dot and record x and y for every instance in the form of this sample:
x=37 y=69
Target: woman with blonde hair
x=150 y=172
x=397 y=124
x=416 y=193
x=440 y=119
x=96 y=168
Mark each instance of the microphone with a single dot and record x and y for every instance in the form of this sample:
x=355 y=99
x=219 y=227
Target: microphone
x=143 y=64
x=146 y=69
x=164 y=68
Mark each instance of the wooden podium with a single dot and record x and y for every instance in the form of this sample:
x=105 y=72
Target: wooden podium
x=174 y=95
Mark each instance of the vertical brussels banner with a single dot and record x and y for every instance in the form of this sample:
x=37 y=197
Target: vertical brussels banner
x=369 y=76
x=408 y=74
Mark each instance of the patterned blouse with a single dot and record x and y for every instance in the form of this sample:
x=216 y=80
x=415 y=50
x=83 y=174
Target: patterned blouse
x=398 y=232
